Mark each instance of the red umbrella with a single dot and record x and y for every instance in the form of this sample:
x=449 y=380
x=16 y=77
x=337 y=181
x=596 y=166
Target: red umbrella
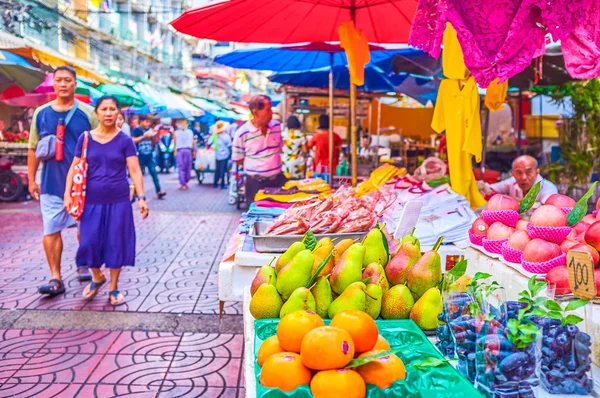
x=297 y=21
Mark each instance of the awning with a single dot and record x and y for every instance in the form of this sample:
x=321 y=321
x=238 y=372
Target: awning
x=152 y=97
x=175 y=101
x=14 y=44
x=55 y=59
x=215 y=110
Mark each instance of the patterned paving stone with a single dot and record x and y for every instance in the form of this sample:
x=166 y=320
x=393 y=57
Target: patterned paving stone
x=168 y=391
x=129 y=370
x=54 y=390
x=56 y=368
x=117 y=390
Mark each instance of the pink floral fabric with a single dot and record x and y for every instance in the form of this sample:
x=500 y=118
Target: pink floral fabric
x=581 y=48
x=499 y=38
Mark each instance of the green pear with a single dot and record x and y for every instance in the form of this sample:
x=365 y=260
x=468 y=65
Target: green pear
x=426 y=309
x=427 y=271
x=340 y=248
x=266 y=302
x=323 y=249
x=301 y=299
x=373 y=300
x=460 y=285
x=349 y=269
x=289 y=254
x=411 y=238
x=353 y=298
x=296 y=274
x=403 y=260
x=397 y=303
x=266 y=274
x=377 y=274
x=323 y=296
x=376 y=250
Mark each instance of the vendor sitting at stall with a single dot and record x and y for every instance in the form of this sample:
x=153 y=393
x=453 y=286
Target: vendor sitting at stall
x=525 y=174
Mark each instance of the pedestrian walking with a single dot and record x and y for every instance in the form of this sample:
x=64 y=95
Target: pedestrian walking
x=73 y=117
x=294 y=149
x=257 y=146
x=144 y=136
x=220 y=141
x=106 y=225
x=320 y=142
x=122 y=125
x=185 y=144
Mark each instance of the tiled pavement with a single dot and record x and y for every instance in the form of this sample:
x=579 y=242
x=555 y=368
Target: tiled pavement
x=175 y=278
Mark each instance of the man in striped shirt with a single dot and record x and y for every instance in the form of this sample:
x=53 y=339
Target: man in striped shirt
x=257 y=146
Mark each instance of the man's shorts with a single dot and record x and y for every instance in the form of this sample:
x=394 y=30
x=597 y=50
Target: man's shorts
x=54 y=215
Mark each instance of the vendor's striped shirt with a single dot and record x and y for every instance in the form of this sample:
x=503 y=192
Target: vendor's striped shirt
x=261 y=153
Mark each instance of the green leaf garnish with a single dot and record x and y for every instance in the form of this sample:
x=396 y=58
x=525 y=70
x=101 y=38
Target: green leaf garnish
x=427 y=363
x=575 y=304
x=553 y=305
x=572 y=319
x=481 y=275
x=309 y=240
x=581 y=208
x=361 y=361
x=529 y=200
x=319 y=269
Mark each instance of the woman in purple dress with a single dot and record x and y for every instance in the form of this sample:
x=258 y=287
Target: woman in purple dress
x=106 y=226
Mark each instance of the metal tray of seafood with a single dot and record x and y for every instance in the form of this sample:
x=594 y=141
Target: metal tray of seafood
x=280 y=243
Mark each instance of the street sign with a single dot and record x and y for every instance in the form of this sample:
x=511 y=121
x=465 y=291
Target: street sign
x=581 y=274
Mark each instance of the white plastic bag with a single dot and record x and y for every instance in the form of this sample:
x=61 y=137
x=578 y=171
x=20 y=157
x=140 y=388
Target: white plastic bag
x=205 y=159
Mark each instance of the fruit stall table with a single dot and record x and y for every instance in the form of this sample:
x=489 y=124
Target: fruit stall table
x=249 y=360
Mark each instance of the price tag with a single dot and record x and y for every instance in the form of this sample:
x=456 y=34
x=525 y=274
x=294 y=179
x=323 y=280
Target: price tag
x=581 y=274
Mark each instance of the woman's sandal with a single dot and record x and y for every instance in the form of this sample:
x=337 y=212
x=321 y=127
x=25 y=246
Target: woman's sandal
x=92 y=289
x=116 y=298
x=53 y=288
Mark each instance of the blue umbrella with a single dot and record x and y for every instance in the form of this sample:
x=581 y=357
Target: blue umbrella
x=311 y=56
x=422 y=89
x=375 y=79
x=15 y=70
x=175 y=114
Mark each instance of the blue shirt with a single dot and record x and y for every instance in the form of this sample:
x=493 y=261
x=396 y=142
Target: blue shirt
x=107 y=169
x=44 y=122
x=144 y=147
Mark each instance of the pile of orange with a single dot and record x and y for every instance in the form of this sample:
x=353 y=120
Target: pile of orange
x=305 y=351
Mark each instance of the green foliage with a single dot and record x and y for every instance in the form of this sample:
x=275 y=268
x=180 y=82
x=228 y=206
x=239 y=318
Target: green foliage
x=529 y=200
x=309 y=240
x=579 y=133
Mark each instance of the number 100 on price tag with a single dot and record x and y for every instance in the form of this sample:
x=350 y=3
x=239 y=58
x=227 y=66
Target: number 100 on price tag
x=581 y=274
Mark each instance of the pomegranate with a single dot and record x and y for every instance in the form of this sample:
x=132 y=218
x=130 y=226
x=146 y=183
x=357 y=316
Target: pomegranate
x=559 y=200
x=521 y=225
x=502 y=202
x=592 y=235
x=499 y=231
x=559 y=278
x=480 y=227
x=583 y=247
x=518 y=240
x=539 y=250
x=589 y=219
x=548 y=216
x=568 y=244
x=581 y=227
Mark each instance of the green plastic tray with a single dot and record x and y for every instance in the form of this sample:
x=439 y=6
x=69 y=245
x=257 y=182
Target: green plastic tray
x=440 y=382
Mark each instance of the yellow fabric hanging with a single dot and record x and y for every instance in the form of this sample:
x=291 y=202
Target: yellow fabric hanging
x=453 y=60
x=496 y=95
x=356 y=46
x=97 y=3
x=457 y=112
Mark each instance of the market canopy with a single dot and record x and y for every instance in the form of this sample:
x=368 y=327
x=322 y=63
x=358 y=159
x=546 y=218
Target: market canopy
x=298 y=21
x=153 y=98
x=309 y=56
x=15 y=70
x=375 y=79
x=176 y=102
x=125 y=95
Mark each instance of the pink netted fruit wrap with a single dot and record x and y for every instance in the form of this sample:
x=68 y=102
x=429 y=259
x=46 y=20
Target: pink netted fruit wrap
x=511 y=255
x=506 y=217
x=493 y=246
x=546 y=266
x=551 y=234
x=475 y=239
x=567 y=210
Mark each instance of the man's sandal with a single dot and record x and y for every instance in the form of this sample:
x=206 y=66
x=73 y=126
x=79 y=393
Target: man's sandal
x=53 y=288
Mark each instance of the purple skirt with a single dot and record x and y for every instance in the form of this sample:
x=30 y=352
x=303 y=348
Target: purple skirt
x=107 y=236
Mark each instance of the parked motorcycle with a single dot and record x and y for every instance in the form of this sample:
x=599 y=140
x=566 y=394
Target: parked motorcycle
x=166 y=153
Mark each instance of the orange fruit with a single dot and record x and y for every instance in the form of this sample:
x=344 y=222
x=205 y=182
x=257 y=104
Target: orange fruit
x=361 y=327
x=284 y=370
x=294 y=326
x=344 y=383
x=382 y=344
x=269 y=347
x=382 y=372
x=327 y=348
